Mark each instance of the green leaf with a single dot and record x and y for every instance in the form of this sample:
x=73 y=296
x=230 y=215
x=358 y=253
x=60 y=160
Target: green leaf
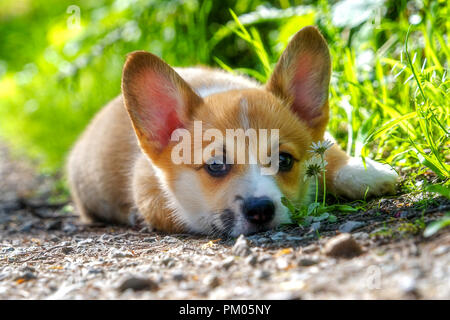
x=342 y=208
x=332 y=218
x=312 y=207
x=307 y=221
x=322 y=217
x=435 y=226
x=426 y=162
x=390 y=125
x=443 y=190
x=288 y=204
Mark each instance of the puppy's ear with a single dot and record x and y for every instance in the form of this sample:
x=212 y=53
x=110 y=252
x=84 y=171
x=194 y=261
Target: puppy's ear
x=302 y=76
x=158 y=100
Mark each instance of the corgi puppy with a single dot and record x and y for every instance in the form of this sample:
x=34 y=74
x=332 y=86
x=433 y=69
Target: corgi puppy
x=124 y=160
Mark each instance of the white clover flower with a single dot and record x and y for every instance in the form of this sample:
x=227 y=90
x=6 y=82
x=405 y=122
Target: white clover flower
x=314 y=167
x=320 y=147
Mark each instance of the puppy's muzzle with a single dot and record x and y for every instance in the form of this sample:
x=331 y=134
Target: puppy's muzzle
x=259 y=211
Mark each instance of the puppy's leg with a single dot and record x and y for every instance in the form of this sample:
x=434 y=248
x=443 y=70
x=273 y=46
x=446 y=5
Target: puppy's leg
x=347 y=176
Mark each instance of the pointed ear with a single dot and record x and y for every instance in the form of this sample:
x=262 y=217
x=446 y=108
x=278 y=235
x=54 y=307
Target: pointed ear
x=302 y=76
x=158 y=100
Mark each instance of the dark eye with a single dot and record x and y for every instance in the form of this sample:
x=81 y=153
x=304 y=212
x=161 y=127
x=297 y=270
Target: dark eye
x=217 y=167
x=286 y=162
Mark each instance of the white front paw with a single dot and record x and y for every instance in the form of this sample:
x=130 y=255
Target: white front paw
x=353 y=180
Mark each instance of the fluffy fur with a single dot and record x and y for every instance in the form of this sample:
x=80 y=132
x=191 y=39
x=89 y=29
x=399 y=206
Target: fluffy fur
x=123 y=159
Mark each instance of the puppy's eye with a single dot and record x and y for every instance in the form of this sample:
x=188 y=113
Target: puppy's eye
x=217 y=167
x=286 y=162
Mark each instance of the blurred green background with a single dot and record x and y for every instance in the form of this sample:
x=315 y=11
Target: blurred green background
x=60 y=61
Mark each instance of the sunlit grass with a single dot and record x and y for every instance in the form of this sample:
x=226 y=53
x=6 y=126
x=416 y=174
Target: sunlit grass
x=396 y=113
x=389 y=93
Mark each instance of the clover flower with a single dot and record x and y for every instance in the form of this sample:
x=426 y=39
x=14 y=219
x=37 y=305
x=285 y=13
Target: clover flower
x=314 y=167
x=320 y=147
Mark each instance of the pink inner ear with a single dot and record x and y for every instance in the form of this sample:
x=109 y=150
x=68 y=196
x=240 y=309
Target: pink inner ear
x=160 y=103
x=307 y=88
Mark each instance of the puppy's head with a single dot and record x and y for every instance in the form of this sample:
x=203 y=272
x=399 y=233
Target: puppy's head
x=217 y=192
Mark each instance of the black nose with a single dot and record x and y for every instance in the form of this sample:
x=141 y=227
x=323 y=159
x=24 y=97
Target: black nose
x=259 y=210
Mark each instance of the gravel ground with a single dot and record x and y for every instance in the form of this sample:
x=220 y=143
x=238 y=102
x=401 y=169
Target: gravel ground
x=45 y=253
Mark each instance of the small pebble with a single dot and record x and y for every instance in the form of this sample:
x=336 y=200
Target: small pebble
x=66 y=250
x=284 y=295
x=95 y=271
x=263 y=240
x=251 y=259
x=178 y=275
x=262 y=274
x=254 y=238
x=241 y=247
x=212 y=281
x=342 y=246
x=54 y=238
x=85 y=242
x=69 y=228
x=409 y=286
x=26 y=276
x=168 y=261
x=310 y=248
x=278 y=236
x=264 y=258
x=26 y=227
x=361 y=235
x=169 y=239
x=307 y=262
x=282 y=263
x=315 y=226
x=138 y=284
x=441 y=250
x=294 y=238
x=349 y=226
x=116 y=253
x=28 y=269
x=54 y=225
x=228 y=262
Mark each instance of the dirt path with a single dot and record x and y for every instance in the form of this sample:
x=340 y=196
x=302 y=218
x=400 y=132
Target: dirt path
x=46 y=254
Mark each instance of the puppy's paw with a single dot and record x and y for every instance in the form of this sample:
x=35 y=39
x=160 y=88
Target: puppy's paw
x=352 y=180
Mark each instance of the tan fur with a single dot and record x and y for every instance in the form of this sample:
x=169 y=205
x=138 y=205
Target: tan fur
x=100 y=165
x=118 y=165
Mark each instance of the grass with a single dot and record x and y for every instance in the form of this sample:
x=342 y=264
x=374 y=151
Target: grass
x=389 y=94
x=410 y=133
